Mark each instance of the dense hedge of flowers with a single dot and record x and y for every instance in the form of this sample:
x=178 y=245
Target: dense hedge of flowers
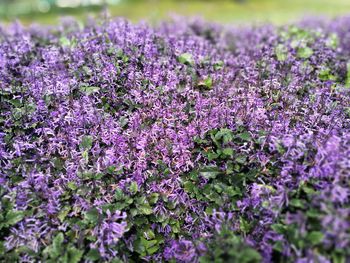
x=183 y=142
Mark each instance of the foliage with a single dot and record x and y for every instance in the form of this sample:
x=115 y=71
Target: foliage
x=183 y=142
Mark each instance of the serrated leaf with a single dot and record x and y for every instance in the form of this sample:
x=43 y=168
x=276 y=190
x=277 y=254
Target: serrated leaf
x=245 y=136
x=304 y=52
x=93 y=255
x=152 y=250
x=333 y=41
x=241 y=159
x=189 y=186
x=228 y=152
x=57 y=248
x=74 y=255
x=133 y=188
x=119 y=195
x=89 y=90
x=325 y=74
x=225 y=135
x=218 y=65
x=281 y=52
x=212 y=156
x=186 y=58
x=296 y=203
x=64 y=41
x=86 y=143
x=278 y=246
x=250 y=255
x=13 y=217
x=92 y=215
x=347 y=83
x=315 y=237
x=279 y=228
x=85 y=155
x=72 y=186
x=148 y=243
x=209 y=172
x=149 y=234
x=63 y=213
x=206 y=83
x=244 y=225
x=153 y=198
x=347 y=111
x=145 y=209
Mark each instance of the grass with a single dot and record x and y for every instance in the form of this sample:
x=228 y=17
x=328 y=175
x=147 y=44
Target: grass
x=224 y=11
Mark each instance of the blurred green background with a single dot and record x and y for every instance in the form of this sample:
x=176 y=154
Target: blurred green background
x=225 y=11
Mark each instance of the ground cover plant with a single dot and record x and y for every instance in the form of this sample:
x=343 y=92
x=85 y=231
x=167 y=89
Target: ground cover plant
x=184 y=142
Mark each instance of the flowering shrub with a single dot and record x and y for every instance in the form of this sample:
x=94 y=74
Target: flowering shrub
x=185 y=142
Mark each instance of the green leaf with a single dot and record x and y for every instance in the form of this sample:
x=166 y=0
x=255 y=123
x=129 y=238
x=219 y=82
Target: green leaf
x=119 y=195
x=2 y=248
x=325 y=74
x=146 y=247
x=347 y=111
x=245 y=136
x=149 y=234
x=145 y=209
x=278 y=246
x=92 y=215
x=63 y=213
x=249 y=255
x=228 y=152
x=86 y=143
x=148 y=243
x=209 y=172
x=16 y=103
x=133 y=188
x=153 y=198
x=89 y=90
x=304 y=52
x=338 y=256
x=207 y=83
x=218 y=65
x=186 y=58
x=152 y=250
x=57 y=248
x=279 y=228
x=332 y=41
x=225 y=135
x=93 y=255
x=211 y=155
x=348 y=75
x=85 y=156
x=74 y=255
x=241 y=159
x=13 y=217
x=244 y=225
x=313 y=213
x=296 y=203
x=281 y=52
x=188 y=186
x=64 y=41
x=315 y=237
x=111 y=169
x=72 y=186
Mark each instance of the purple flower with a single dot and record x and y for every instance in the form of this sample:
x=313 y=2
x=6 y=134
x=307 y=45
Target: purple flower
x=109 y=232
x=181 y=251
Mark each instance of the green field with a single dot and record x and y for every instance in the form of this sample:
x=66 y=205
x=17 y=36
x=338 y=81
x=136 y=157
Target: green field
x=225 y=11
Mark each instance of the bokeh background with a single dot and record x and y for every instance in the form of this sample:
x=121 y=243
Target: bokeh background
x=224 y=11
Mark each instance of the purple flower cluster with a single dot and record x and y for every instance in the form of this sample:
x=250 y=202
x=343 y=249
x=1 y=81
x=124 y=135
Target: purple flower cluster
x=188 y=141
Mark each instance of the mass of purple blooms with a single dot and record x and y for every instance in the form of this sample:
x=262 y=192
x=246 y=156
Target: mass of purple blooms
x=182 y=142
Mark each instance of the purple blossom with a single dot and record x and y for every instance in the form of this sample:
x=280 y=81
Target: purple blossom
x=123 y=117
